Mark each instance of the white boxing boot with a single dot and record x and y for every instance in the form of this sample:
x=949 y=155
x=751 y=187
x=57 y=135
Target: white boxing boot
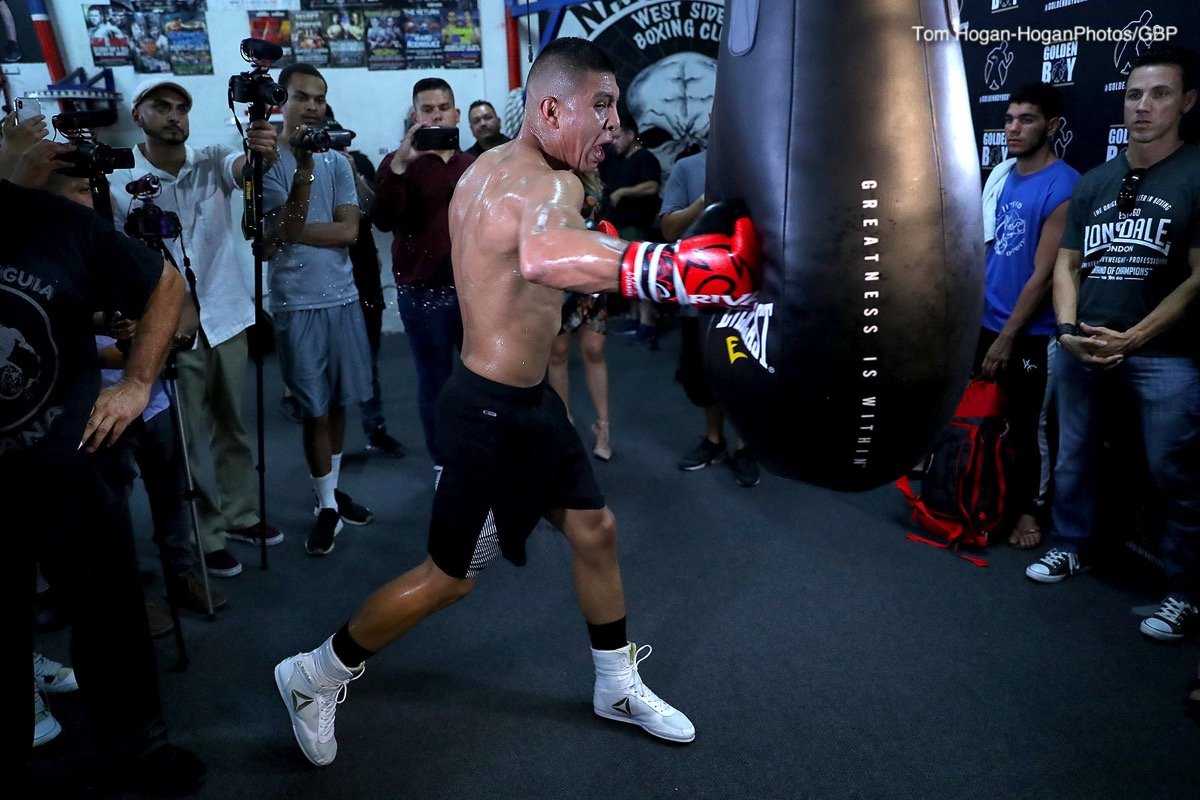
x=311 y=685
x=621 y=695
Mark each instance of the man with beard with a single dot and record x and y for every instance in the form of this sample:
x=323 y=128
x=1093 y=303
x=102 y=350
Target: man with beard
x=197 y=185
x=1027 y=211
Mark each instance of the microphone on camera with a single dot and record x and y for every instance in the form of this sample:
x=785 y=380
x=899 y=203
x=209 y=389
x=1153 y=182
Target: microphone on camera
x=147 y=184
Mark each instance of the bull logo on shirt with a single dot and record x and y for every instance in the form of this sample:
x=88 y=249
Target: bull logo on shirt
x=28 y=364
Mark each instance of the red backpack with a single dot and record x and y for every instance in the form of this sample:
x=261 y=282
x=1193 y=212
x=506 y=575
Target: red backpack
x=962 y=492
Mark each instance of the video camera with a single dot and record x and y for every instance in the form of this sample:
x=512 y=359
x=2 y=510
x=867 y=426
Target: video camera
x=90 y=157
x=256 y=86
x=319 y=140
x=149 y=222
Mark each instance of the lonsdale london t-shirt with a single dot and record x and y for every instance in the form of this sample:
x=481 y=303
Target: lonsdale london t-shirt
x=59 y=262
x=1132 y=261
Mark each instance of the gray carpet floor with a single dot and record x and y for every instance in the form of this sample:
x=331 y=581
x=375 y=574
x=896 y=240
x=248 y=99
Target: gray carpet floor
x=819 y=653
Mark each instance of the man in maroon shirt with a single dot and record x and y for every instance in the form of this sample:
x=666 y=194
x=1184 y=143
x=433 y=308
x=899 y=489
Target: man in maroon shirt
x=412 y=198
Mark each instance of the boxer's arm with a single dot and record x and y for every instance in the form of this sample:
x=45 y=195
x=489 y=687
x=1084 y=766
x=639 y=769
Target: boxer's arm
x=555 y=247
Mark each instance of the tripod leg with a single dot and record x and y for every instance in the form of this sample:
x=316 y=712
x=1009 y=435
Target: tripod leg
x=171 y=375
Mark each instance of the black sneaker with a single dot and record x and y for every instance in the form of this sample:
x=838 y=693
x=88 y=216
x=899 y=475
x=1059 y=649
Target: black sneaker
x=320 y=538
x=745 y=468
x=1055 y=566
x=706 y=453
x=1175 y=619
x=186 y=591
x=166 y=771
x=352 y=513
x=222 y=564
x=382 y=442
x=255 y=534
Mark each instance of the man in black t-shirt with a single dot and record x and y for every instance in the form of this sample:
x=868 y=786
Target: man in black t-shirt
x=59 y=263
x=1126 y=277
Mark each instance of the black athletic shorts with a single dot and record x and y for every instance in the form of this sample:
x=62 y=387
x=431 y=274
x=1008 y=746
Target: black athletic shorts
x=510 y=456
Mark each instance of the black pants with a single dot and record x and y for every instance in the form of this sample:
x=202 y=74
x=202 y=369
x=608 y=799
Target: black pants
x=62 y=514
x=1023 y=381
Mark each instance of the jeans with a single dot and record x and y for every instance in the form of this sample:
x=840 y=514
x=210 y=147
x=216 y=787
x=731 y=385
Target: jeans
x=1164 y=394
x=434 y=328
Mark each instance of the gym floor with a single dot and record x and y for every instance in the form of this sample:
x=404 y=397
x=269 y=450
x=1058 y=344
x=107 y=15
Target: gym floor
x=819 y=653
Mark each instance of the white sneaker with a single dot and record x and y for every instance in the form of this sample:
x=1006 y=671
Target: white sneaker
x=621 y=695
x=45 y=726
x=312 y=685
x=52 y=677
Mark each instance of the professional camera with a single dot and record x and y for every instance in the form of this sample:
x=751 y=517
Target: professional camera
x=318 y=140
x=256 y=86
x=90 y=157
x=149 y=222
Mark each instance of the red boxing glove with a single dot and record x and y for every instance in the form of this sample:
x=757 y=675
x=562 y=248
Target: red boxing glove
x=607 y=228
x=718 y=264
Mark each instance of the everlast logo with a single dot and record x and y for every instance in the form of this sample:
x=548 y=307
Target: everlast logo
x=1118 y=138
x=752 y=327
x=1058 y=63
x=994 y=149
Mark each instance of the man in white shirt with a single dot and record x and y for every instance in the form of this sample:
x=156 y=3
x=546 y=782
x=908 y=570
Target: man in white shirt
x=197 y=185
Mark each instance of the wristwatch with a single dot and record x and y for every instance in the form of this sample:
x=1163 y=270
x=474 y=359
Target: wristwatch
x=1066 y=329
x=297 y=178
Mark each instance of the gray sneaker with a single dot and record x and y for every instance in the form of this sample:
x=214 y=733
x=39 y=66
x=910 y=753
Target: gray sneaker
x=312 y=697
x=45 y=727
x=52 y=677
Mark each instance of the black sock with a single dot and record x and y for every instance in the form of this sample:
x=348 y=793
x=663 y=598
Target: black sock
x=609 y=636
x=348 y=651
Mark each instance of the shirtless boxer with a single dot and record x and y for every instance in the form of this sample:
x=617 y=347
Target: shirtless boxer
x=512 y=457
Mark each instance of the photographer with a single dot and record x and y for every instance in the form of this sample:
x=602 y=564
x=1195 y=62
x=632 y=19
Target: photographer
x=322 y=338
x=412 y=200
x=196 y=186
x=61 y=263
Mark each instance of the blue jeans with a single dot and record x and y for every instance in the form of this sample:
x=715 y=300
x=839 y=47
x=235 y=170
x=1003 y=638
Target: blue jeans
x=433 y=325
x=1164 y=395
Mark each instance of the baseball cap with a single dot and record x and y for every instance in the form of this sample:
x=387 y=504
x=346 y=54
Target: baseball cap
x=150 y=84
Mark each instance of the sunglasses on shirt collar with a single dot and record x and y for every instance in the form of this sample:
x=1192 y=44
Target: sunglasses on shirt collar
x=1127 y=194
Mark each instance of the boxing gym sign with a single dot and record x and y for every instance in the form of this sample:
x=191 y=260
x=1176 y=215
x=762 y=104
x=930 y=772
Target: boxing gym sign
x=666 y=57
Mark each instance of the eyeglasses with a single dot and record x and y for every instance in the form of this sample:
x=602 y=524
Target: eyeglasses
x=1127 y=194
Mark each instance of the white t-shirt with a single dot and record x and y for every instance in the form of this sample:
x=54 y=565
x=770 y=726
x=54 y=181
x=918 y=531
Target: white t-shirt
x=200 y=195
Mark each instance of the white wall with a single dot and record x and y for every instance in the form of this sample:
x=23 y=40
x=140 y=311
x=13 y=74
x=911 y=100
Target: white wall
x=373 y=104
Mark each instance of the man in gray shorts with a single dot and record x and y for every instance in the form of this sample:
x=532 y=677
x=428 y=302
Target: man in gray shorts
x=319 y=326
x=512 y=457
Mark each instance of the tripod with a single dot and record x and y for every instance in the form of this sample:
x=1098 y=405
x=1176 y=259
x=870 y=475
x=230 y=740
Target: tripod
x=98 y=183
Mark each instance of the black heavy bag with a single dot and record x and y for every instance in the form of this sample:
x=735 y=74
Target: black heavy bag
x=848 y=136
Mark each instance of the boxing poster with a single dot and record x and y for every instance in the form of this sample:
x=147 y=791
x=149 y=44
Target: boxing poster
x=308 y=38
x=108 y=30
x=344 y=31
x=423 y=34
x=461 y=38
x=274 y=27
x=666 y=57
x=1083 y=47
x=187 y=34
x=149 y=47
x=384 y=39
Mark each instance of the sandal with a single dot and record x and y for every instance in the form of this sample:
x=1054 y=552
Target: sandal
x=1026 y=535
x=602 y=450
